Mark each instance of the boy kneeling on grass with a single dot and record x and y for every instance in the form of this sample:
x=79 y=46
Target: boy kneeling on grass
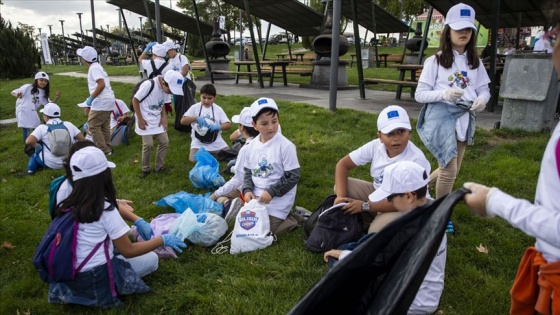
x=404 y=187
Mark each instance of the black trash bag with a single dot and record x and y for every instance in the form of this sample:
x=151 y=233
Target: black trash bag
x=383 y=274
x=183 y=103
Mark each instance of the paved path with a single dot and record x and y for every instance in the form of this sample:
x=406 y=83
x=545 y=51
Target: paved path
x=374 y=102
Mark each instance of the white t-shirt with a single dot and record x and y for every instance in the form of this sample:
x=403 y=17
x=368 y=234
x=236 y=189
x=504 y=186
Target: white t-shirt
x=178 y=63
x=267 y=163
x=105 y=101
x=90 y=234
x=27 y=106
x=147 y=65
x=215 y=113
x=461 y=76
x=374 y=152
x=237 y=180
x=52 y=161
x=151 y=107
x=119 y=105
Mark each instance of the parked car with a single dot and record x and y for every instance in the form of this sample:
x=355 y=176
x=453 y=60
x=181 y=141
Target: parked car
x=244 y=41
x=280 y=38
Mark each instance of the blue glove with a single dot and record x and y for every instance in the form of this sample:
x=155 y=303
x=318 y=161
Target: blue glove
x=144 y=229
x=215 y=127
x=201 y=122
x=173 y=242
x=89 y=100
x=149 y=46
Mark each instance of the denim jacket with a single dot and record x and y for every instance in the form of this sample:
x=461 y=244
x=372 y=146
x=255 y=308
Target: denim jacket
x=436 y=128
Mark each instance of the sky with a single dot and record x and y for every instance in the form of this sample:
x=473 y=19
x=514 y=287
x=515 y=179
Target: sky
x=41 y=13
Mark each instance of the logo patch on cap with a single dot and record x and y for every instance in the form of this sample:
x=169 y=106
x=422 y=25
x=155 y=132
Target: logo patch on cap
x=262 y=102
x=465 y=13
x=393 y=114
x=180 y=81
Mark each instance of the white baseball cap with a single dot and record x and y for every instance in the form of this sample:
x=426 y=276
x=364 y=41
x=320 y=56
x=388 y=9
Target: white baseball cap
x=244 y=118
x=175 y=81
x=261 y=104
x=460 y=16
x=51 y=110
x=88 y=53
x=41 y=75
x=400 y=177
x=160 y=50
x=88 y=162
x=393 y=117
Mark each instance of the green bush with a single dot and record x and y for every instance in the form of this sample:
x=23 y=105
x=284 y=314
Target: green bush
x=18 y=54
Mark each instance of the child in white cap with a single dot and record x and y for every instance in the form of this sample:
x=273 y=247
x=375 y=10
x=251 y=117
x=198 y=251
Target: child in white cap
x=454 y=87
x=93 y=203
x=272 y=168
x=157 y=64
x=405 y=188
x=30 y=97
x=151 y=119
x=392 y=145
x=229 y=193
x=40 y=140
x=101 y=100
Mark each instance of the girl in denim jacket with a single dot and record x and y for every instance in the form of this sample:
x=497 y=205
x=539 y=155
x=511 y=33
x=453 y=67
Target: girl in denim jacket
x=454 y=86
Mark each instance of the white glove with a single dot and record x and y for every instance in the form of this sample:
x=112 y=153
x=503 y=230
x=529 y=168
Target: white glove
x=478 y=105
x=452 y=95
x=476 y=200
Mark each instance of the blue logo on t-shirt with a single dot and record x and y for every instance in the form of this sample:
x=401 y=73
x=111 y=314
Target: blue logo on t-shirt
x=392 y=114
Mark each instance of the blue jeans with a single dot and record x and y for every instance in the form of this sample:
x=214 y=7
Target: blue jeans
x=26 y=133
x=36 y=160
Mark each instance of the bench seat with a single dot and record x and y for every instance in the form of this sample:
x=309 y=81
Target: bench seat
x=389 y=81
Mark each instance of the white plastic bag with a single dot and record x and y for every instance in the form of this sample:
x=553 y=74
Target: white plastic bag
x=203 y=229
x=252 y=228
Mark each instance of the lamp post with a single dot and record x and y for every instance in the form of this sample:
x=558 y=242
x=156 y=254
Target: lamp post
x=81 y=30
x=63 y=39
x=50 y=36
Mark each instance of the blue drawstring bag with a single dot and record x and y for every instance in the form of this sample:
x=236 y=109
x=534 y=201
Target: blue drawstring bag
x=203 y=229
x=198 y=203
x=206 y=172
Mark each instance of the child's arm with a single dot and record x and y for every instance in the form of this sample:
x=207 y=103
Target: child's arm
x=248 y=186
x=129 y=249
x=341 y=177
x=288 y=181
x=57 y=96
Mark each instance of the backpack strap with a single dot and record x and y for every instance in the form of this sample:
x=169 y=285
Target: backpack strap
x=149 y=91
x=118 y=109
x=558 y=156
x=310 y=222
x=163 y=65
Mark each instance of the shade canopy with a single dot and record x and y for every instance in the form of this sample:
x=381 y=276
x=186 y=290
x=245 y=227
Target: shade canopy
x=513 y=13
x=384 y=21
x=168 y=16
x=291 y=15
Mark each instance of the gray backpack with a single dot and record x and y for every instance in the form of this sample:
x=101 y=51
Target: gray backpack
x=59 y=139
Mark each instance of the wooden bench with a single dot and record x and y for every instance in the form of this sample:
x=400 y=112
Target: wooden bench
x=400 y=84
x=198 y=65
x=248 y=74
x=302 y=71
x=394 y=58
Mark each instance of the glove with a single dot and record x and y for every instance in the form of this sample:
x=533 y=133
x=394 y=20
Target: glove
x=173 y=242
x=149 y=46
x=214 y=127
x=144 y=229
x=452 y=95
x=478 y=105
x=89 y=100
x=477 y=199
x=201 y=121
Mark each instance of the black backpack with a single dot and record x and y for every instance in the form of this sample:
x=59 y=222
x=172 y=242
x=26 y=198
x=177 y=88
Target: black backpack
x=329 y=228
x=135 y=89
x=156 y=72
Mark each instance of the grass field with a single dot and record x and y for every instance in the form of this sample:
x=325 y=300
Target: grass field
x=268 y=281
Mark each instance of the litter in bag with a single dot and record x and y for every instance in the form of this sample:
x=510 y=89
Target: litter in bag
x=198 y=203
x=160 y=225
x=206 y=173
x=203 y=229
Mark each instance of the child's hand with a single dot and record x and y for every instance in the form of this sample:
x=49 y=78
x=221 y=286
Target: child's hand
x=201 y=122
x=265 y=197
x=19 y=95
x=142 y=123
x=248 y=196
x=334 y=253
x=214 y=127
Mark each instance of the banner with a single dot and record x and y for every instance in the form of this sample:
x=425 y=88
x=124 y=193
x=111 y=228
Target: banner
x=46 y=49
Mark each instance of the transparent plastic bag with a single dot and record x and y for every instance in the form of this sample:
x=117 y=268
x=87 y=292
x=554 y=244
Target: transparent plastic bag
x=206 y=173
x=203 y=229
x=197 y=203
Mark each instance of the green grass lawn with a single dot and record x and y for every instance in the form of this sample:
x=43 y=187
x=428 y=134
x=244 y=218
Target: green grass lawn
x=268 y=281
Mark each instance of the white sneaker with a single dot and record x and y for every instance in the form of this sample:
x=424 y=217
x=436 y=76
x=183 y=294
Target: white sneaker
x=304 y=213
x=234 y=207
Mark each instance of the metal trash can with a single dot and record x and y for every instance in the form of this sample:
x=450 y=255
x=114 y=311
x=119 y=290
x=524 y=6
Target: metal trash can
x=368 y=57
x=530 y=90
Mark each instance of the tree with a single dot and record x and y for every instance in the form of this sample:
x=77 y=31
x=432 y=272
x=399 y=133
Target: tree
x=18 y=53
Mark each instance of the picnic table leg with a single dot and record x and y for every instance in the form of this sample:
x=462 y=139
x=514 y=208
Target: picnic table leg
x=399 y=86
x=273 y=70
x=238 y=69
x=385 y=59
x=284 y=75
x=412 y=79
x=250 y=75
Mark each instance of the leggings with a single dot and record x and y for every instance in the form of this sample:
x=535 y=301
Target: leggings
x=444 y=177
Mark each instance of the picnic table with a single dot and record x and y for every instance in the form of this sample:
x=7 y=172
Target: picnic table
x=273 y=64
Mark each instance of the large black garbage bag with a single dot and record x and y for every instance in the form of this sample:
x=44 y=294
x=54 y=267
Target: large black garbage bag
x=183 y=103
x=383 y=274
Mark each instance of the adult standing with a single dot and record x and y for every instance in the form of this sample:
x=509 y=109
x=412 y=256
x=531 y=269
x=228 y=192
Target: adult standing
x=454 y=86
x=537 y=285
x=101 y=99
